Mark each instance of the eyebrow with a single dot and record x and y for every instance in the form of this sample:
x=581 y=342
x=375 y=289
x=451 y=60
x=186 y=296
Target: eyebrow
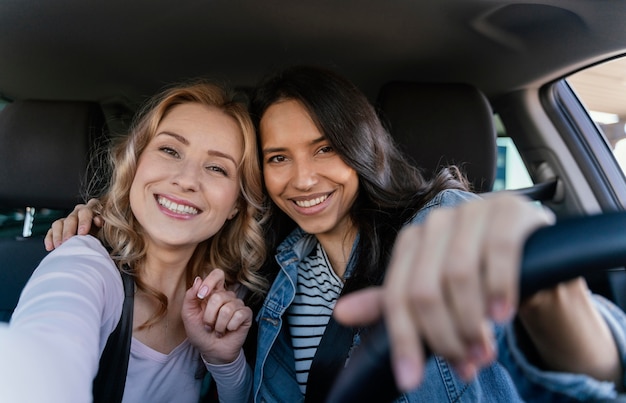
x=184 y=141
x=279 y=149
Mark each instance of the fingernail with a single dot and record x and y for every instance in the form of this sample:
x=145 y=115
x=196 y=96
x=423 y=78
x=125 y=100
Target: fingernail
x=82 y=229
x=499 y=310
x=407 y=374
x=195 y=281
x=204 y=290
x=477 y=353
x=466 y=371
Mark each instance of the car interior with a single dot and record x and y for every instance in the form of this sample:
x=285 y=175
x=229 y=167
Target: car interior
x=452 y=81
x=47 y=150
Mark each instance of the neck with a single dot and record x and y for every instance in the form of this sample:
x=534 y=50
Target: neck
x=167 y=275
x=165 y=271
x=338 y=248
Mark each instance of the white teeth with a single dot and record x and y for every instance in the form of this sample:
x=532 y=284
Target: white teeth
x=175 y=207
x=311 y=203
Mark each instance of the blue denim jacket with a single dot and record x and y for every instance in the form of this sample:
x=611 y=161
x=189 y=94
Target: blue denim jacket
x=510 y=379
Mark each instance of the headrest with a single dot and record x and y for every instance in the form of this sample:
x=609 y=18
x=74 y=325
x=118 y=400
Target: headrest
x=45 y=148
x=441 y=124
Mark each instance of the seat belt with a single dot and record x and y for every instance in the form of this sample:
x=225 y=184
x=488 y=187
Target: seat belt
x=331 y=354
x=330 y=358
x=109 y=383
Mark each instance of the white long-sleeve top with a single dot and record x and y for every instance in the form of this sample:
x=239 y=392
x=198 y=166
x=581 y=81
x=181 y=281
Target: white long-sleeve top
x=51 y=349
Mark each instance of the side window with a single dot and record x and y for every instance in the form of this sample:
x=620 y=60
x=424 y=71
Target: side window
x=602 y=90
x=511 y=171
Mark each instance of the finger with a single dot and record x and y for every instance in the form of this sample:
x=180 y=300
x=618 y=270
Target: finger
x=98 y=221
x=503 y=258
x=428 y=302
x=227 y=308
x=242 y=318
x=86 y=215
x=216 y=304
x=231 y=315
x=216 y=280
x=480 y=354
x=462 y=278
x=57 y=232
x=70 y=226
x=48 y=241
x=360 y=308
x=407 y=356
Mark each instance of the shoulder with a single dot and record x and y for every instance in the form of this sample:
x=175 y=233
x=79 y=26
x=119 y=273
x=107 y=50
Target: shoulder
x=77 y=286
x=81 y=245
x=445 y=198
x=81 y=259
x=81 y=249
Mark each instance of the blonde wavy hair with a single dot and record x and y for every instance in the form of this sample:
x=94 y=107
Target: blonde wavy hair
x=238 y=247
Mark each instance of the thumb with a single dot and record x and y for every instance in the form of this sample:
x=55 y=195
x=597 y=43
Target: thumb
x=360 y=308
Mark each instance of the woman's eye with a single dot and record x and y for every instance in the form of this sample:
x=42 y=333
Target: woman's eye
x=276 y=158
x=326 y=149
x=217 y=169
x=169 y=151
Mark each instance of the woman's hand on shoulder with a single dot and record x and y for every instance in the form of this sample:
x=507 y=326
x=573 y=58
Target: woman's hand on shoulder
x=77 y=222
x=216 y=320
x=448 y=279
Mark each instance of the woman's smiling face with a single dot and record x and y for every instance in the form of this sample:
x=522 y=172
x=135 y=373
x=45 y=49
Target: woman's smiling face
x=187 y=180
x=303 y=175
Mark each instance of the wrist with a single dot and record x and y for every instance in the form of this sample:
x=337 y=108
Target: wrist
x=219 y=362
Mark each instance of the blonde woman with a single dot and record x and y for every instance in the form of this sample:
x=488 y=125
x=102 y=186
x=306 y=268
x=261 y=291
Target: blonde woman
x=182 y=217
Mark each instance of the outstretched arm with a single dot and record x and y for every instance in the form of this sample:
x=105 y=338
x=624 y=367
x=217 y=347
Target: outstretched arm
x=51 y=349
x=451 y=277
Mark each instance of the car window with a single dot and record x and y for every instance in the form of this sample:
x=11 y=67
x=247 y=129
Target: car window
x=602 y=91
x=511 y=172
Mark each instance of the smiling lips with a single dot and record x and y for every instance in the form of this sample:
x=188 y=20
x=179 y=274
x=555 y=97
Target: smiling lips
x=312 y=202
x=175 y=207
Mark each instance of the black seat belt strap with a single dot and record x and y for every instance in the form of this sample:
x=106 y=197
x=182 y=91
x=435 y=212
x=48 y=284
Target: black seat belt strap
x=330 y=358
x=109 y=383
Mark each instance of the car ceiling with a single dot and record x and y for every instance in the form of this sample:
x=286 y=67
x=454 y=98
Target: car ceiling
x=118 y=52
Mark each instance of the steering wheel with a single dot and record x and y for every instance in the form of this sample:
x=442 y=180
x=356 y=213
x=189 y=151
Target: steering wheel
x=554 y=254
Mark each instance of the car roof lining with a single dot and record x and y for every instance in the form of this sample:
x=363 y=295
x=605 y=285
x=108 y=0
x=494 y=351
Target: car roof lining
x=127 y=49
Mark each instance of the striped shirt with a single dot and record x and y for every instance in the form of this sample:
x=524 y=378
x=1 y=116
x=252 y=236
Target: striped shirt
x=316 y=294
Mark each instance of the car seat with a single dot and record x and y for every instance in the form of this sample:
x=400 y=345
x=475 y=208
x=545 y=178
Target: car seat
x=437 y=124
x=441 y=124
x=45 y=149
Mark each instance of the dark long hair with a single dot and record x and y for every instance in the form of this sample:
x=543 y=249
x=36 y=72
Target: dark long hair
x=391 y=190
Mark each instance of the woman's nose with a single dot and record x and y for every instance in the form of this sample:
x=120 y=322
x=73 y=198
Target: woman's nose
x=187 y=177
x=305 y=175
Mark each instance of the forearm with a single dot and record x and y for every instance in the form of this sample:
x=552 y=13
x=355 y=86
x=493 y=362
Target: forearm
x=569 y=334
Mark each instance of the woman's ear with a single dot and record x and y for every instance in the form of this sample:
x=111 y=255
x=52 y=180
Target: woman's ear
x=233 y=213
